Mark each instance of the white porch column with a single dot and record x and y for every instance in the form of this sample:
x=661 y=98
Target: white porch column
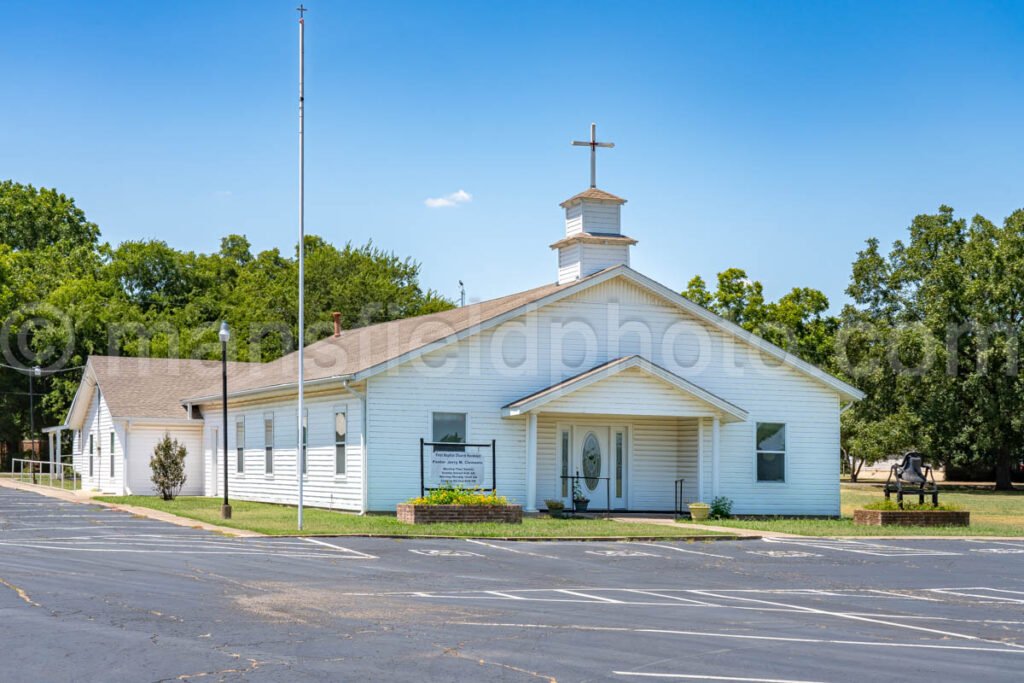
x=700 y=460
x=715 y=424
x=531 y=463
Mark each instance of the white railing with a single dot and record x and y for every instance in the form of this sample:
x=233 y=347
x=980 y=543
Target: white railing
x=60 y=475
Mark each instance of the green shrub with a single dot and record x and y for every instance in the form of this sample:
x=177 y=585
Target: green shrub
x=907 y=505
x=168 y=465
x=456 y=495
x=721 y=508
x=553 y=504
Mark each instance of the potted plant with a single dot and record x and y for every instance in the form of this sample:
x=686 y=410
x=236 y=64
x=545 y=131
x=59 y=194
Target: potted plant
x=579 y=499
x=556 y=508
x=699 y=511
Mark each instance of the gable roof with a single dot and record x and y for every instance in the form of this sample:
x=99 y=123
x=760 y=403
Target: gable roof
x=612 y=368
x=363 y=352
x=144 y=387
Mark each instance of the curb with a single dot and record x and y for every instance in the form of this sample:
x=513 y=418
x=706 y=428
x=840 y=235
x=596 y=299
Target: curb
x=533 y=539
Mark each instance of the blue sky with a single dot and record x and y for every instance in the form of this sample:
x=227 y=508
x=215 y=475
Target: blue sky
x=772 y=136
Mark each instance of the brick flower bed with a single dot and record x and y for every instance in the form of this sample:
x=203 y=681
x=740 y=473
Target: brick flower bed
x=912 y=517
x=432 y=514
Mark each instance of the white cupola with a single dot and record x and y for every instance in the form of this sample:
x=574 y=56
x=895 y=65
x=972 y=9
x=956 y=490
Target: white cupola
x=593 y=235
x=593 y=226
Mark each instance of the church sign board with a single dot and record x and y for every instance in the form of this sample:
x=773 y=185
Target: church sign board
x=456 y=468
x=448 y=464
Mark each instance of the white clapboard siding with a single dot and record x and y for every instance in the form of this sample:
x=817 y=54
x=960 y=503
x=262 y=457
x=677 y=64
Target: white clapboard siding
x=574 y=219
x=569 y=263
x=322 y=487
x=597 y=257
x=99 y=424
x=600 y=217
x=630 y=392
x=480 y=374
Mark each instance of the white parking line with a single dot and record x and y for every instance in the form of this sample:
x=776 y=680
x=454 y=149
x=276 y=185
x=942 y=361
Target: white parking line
x=681 y=550
x=860 y=547
x=978 y=593
x=689 y=601
x=744 y=636
x=511 y=550
x=871 y=620
x=595 y=598
x=707 y=677
x=364 y=556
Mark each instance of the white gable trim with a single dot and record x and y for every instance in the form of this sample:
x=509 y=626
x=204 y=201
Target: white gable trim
x=536 y=400
x=733 y=330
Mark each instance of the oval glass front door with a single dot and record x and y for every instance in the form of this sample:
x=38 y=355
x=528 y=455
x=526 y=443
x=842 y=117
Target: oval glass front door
x=591 y=461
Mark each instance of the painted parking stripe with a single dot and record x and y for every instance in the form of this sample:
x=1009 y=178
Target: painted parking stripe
x=681 y=550
x=511 y=550
x=746 y=636
x=365 y=556
x=860 y=547
x=980 y=594
x=689 y=601
x=595 y=598
x=872 y=620
x=708 y=677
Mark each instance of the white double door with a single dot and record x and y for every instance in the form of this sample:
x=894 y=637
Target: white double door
x=597 y=454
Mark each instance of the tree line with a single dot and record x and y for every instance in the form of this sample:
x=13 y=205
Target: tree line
x=930 y=333
x=65 y=294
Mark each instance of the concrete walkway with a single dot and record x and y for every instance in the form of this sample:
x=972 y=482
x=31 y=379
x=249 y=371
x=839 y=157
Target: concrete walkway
x=87 y=497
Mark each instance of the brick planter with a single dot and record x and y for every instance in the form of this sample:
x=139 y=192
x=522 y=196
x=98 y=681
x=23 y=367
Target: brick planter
x=912 y=517
x=432 y=514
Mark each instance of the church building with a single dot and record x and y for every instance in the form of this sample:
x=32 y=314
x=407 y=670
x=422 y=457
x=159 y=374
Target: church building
x=603 y=382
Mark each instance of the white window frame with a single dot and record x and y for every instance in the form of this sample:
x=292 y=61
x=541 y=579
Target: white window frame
x=268 y=445
x=113 y=440
x=451 y=411
x=784 y=453
x=340 y=410
x=239 y=445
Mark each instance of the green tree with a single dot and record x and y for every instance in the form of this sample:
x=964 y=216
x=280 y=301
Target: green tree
x=934 y=330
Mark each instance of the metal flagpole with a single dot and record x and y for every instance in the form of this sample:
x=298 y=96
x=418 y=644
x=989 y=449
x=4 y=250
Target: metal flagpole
x=301 y=459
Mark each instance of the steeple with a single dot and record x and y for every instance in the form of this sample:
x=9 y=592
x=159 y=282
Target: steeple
x=593 y=227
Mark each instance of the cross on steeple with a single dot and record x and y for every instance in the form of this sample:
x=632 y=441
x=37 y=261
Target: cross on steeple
x=301 y=10
x=593 y=144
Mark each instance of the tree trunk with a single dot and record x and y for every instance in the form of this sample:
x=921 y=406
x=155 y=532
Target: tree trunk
x=1004 y=469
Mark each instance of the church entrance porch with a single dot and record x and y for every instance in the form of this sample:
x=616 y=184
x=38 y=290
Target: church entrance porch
x=619 y=463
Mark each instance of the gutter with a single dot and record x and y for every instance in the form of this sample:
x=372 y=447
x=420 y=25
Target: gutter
x=198 y=400
x=364 y=460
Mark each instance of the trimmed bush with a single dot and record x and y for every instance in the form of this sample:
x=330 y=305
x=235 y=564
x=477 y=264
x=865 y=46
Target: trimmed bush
x=168 y=465
x=907 y=505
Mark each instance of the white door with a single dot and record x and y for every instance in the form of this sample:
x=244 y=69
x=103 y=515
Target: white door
x=592 y=458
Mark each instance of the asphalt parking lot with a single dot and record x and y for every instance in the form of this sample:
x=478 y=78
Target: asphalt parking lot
x=92 y=594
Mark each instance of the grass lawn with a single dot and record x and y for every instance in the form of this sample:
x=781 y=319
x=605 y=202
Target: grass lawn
x=992 y=514
x=271 y=519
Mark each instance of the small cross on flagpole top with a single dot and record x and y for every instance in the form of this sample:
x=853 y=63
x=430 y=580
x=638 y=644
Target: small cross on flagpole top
x=593 y=144
x=301 y=9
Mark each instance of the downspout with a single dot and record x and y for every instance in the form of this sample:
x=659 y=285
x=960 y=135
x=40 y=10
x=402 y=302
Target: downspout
x=843 y=409
x=364 y=460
